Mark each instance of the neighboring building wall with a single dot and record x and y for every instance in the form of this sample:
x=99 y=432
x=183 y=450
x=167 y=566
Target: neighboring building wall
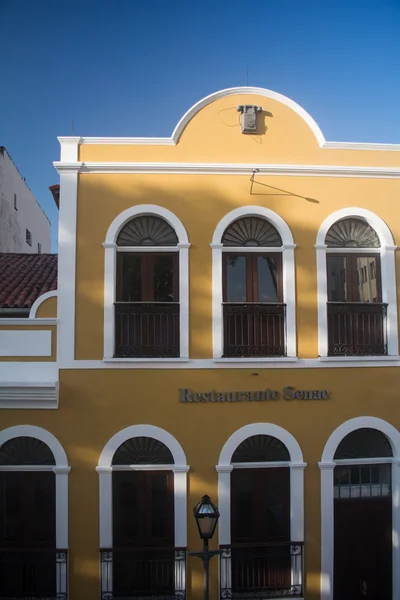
x=27 y=215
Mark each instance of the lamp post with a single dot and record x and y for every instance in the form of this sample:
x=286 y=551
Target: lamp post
x=206 y=515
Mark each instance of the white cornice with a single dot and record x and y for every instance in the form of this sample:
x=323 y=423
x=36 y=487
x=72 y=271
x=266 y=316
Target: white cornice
x=28 y=322
x=67 y=167
x=29 y=395
x=129 y=141
x=174 y=138
x=229 y=169
x=361 y=146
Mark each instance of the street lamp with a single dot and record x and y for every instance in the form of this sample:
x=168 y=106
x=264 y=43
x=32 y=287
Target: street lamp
x=206 y=515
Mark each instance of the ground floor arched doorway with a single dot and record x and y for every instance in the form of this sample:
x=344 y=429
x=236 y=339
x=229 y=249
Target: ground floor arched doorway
x=363 y=517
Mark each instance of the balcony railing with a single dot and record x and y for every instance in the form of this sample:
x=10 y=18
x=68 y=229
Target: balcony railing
x=253 y=329
x=357 y=329
x=147 y=329
x=33 y=574
x=259 y=571
x=156 y=573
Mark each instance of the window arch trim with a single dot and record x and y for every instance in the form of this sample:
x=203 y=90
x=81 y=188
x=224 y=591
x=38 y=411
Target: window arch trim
x=110 y=247
x=296 y=466
x=179 y=468
x=61 y=470
x=288 y=277
x=388 y=275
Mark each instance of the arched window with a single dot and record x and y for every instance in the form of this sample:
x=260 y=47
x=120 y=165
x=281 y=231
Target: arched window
x=253 y=293
x=359 y=312
x=146 y=286
x=260 y=486
x=143 y=514
x=33 y=511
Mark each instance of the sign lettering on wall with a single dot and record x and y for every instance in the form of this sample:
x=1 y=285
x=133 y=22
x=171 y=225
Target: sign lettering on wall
x=288 y=393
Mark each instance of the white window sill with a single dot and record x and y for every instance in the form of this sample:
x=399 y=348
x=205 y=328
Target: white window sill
x=255 y=359
x=363 y=359
x=146 y=360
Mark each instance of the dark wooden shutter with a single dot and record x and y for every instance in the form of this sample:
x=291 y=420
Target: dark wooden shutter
x=260 y=505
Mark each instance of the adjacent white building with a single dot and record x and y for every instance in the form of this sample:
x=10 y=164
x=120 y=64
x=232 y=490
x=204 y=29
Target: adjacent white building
x=24 y=227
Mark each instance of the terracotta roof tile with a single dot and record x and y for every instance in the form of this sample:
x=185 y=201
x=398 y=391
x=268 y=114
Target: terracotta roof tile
x=25 y=277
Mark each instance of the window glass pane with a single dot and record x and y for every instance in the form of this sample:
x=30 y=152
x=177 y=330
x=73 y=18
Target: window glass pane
x=337 y=278
x=367 y=281
x=163 y=279
x=236 y=290
x=130 y=271
x=267 y=279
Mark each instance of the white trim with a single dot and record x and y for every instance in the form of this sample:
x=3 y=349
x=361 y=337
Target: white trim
x=168 y=141
x=31 y=395
x=388 y=275
x=365 y=172
x=209 y=363
x=288 y=274
x=110 y=272
x=179 y=468
x=39 y=301
x=327 y=466
x=25 y=342
x=28 y=322
x=296 y=466
x=69 y=146
x=61 y=471
x=67 y=266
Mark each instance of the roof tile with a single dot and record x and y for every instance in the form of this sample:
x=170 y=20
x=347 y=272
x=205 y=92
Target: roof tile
x=25 y=277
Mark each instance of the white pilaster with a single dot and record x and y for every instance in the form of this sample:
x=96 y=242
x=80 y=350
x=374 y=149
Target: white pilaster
x=67 y=266
x=327 y=530
x=61 y=475
x=224 y=503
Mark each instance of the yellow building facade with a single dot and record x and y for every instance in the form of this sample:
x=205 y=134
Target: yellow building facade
x=225 y=323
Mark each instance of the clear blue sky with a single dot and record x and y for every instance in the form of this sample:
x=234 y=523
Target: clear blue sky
x=132 y=68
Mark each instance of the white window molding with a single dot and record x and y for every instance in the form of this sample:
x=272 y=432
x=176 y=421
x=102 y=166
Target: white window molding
x=179 y=468
x=388 y=274
x=288 y=273
x=111 y=249
x=61 y=470
x=39 y=301
x=296 y=466
x=327 y=466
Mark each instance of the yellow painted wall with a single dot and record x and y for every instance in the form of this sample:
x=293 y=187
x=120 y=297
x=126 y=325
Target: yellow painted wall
x=94 y=405
x=200 y=201
x=213 y=135
x=48 y=309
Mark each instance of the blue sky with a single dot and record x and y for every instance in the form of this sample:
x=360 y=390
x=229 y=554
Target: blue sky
x=128 y=67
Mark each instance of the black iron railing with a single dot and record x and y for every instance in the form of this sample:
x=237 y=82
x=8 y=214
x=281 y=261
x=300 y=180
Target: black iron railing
x=143 y=573
x=357 y=329
x=147 y=329
x=252 y=329
x=259 y=571
x=33 y=574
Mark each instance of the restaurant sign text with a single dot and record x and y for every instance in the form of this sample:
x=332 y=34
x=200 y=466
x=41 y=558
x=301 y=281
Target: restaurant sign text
x=288 y=393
